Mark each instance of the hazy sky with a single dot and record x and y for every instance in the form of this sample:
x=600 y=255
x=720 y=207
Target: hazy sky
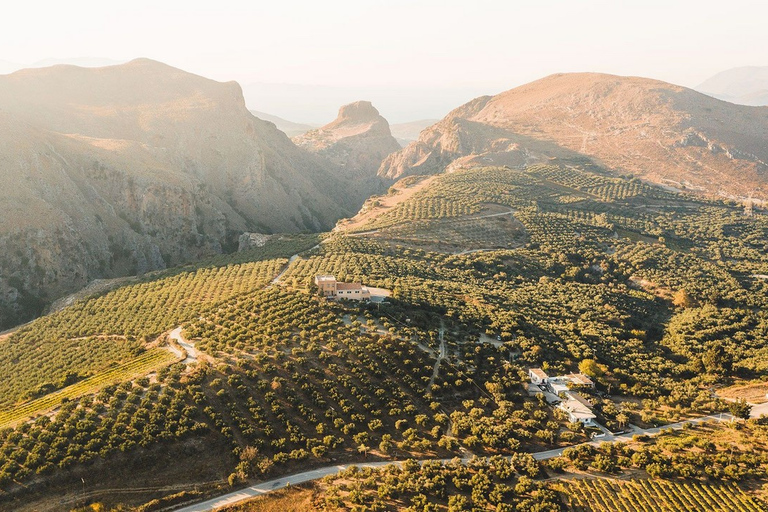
x=468 y=45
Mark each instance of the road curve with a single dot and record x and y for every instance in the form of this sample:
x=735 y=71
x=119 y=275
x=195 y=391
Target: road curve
x=241 y=495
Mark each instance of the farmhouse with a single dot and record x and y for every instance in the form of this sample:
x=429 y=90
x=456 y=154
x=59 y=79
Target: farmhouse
x=557 y=390
x=538 y=376
x=578 y=408
x=330 y=288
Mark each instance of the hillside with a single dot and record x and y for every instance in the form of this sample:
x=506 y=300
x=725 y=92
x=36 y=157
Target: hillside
x=660 y=297
x=745 y=86
x=356 y=142
x=131 y=168
x=650 y=129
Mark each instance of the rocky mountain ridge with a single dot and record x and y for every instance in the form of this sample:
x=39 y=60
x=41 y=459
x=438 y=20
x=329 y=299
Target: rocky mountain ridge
x=658 y=131
x=131 y=168
x=356 y=142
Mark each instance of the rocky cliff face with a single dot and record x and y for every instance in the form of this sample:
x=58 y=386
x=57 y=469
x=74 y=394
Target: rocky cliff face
x=131 y=168
x=355 y=143
x=664 y=133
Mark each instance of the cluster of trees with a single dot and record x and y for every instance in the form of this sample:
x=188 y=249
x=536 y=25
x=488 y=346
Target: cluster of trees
x=496 y=483
x=117 y=419
x=113 y=327
x=691 y=453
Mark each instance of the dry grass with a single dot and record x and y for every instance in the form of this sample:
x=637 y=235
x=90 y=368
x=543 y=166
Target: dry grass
x=385 y=203
x=754 y=393
x=293 y=499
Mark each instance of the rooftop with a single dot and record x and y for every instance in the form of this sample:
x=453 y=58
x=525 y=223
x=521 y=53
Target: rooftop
x=539 y=373
x=349 y=286
x=579 y=378
x=319 y=278
x=578 y=405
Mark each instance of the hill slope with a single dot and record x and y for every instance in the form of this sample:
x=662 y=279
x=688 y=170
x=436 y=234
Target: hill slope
x=278 y=381
x=661 y=132
x=130 y=168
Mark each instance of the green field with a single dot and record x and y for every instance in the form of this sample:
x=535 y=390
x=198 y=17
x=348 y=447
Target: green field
x=150 y=361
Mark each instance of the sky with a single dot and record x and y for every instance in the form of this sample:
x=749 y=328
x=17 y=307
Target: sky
x=418 y=58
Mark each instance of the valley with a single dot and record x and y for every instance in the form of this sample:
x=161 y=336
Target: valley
x=283 y=381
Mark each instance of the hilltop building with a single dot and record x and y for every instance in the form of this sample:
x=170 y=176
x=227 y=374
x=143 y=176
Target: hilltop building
x=330 y=288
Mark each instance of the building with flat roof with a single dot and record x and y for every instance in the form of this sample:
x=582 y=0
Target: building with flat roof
x=578 y=408
x=538 y=376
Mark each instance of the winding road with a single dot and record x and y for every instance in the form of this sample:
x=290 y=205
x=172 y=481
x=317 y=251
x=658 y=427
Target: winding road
x=188 y=346
x=262 y=488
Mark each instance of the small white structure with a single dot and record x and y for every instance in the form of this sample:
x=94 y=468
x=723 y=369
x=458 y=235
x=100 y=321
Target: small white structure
x=578 y=408
x=558 y=385
x=538 y=376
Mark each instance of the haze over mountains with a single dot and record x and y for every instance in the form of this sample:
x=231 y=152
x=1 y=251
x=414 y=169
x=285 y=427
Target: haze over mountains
x=130 y=168
x=661 y=132
x=746 y=85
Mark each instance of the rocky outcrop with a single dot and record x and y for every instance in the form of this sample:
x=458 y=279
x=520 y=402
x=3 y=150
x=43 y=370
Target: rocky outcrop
x=252 y=240
x=355 y=144
x=651 y=129
x=126 y=169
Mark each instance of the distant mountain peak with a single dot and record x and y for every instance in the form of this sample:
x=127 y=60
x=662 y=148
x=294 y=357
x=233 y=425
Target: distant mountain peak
x=359 y=111
x=747 y=85
x=628 y=124
x=357 y=141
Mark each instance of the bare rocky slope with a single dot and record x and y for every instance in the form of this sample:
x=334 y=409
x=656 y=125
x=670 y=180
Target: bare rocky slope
x=658 y=131
x=130 y=168
x=356 y=142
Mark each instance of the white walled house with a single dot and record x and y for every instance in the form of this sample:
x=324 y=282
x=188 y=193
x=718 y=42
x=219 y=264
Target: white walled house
x=538 y=376
x=578 y=408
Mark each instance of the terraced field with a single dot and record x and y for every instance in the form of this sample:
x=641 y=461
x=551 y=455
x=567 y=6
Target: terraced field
x=150 y=361
x=598 y=495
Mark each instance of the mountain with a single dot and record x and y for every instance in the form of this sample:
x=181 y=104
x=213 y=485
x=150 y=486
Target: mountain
x=408 y=132
x=746 y=85
x=130 y=168
x=84 y=62
x=356 y=142
x=651 y=129
x=289 y=128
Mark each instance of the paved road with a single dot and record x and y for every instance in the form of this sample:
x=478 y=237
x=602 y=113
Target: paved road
x=307 y=476
x=188 y=346
x=273 y=485
x=759 y=410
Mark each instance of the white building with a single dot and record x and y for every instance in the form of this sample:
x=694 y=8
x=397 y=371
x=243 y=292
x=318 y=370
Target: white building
x=578 y=408
x=538 y=376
